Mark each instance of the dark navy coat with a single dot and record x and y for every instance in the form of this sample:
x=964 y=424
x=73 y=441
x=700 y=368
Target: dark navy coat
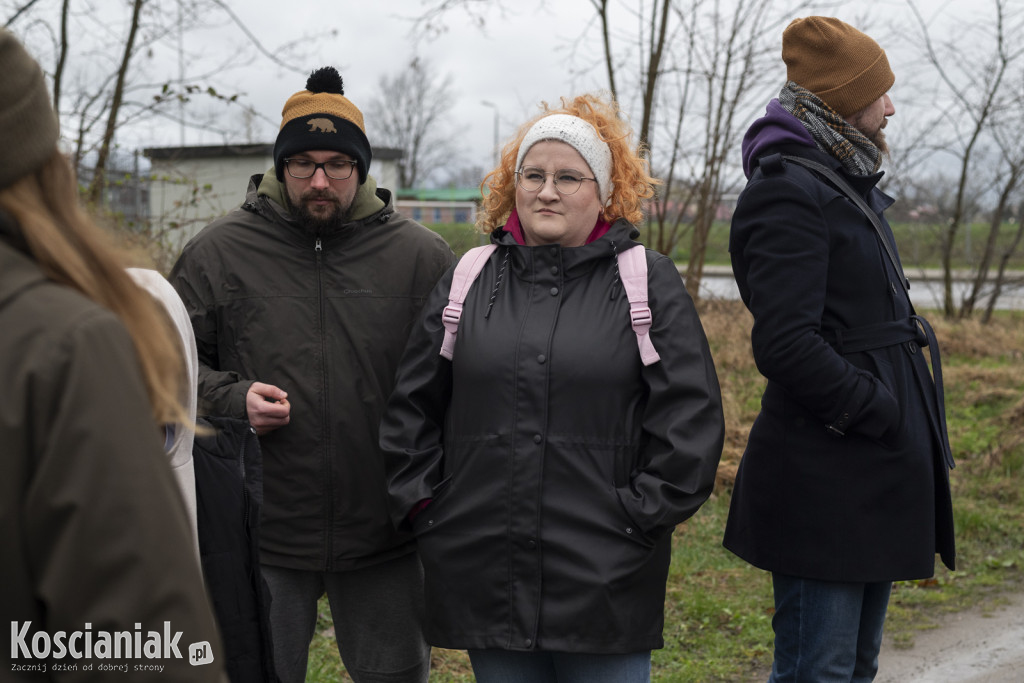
x=845 y=473
x=556 y=462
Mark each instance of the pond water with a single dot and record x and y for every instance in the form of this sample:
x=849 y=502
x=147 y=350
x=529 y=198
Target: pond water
x=925 y=290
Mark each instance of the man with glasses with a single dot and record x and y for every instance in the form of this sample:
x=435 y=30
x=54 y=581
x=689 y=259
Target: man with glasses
x=302 y=300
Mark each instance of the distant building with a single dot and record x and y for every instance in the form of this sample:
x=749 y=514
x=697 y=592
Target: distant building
x=123 y=195
x=446 y=205
x=191 y=186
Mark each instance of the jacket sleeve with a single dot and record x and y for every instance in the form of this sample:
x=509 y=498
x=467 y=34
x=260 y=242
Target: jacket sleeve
x=781 y=257
x=683 y=421
x=221 y=393
x=108 y=539
x=412 y=428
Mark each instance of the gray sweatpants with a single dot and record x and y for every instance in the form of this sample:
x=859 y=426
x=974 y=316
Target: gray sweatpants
x=377 y=613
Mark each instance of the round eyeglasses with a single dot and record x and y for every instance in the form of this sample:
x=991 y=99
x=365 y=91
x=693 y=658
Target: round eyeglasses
x=567 y=180
x=337 y=169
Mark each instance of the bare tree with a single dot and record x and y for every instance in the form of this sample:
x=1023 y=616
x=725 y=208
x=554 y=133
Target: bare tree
x=18 y=12
x=99 y=177
x=976 y=82
x=1002 y=279
x=90 y=36
x=62 y=58
x=732 y=61
x=412 y=113
x=704 y=67
x=688 y=71
x=1011 y=167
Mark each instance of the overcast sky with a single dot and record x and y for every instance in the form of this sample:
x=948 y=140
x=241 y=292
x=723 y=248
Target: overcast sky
x=531 y=52
x=516 y=60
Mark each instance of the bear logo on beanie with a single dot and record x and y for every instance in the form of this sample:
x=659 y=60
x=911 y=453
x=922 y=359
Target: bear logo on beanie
x=321 y=125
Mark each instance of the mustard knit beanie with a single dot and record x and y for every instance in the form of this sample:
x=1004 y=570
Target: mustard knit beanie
x=28 y=123
x=844 y=67
x=322 y=118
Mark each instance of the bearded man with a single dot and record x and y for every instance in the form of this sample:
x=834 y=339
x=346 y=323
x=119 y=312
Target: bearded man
x=302 y=300
x=844 y=484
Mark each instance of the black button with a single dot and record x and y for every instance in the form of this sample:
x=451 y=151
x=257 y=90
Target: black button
x=537 y=438
x=554 y=270
x=542 y=359
x=529 y=642
x=554 y=291
x=531 y=544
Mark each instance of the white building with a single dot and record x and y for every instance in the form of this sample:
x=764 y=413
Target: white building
x=191 y=186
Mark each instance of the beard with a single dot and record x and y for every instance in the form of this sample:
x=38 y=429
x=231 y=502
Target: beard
x=877 y=136
x=322 y=219
x=878 y=140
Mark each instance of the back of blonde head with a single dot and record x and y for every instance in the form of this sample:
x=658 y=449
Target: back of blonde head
x=71 y=250
x=631 y=180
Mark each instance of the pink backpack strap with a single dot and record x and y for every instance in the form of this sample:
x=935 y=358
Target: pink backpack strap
x=633 y=273
x=466 y=271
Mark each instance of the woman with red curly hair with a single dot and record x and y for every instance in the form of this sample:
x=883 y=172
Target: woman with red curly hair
x=544 y=466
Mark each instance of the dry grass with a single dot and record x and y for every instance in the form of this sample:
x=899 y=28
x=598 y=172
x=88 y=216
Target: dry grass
x=1001 y=339
x=727 y=325
x=982 y=364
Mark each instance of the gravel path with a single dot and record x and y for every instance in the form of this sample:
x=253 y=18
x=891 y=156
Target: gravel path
x=975 y=646
x=981 y=645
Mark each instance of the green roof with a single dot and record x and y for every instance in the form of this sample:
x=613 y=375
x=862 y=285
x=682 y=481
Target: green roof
x=445 y=194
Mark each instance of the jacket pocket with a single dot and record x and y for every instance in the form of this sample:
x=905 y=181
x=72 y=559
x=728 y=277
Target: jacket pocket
x=884 y=414
x=584 y=480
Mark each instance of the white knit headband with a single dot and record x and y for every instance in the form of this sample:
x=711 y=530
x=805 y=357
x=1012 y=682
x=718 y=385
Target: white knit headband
x=582 y=137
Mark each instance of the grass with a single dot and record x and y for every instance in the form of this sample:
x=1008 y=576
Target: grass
x=718 y=609
x=918 y=244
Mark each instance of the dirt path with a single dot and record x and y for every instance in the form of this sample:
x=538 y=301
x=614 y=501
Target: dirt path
x=981 y=645
x=976 y=646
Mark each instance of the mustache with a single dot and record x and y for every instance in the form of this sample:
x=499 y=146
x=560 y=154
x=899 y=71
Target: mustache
x=316 y=195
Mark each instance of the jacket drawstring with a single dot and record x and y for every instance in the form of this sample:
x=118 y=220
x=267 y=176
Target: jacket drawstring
x=497 y=284
x=615 y=272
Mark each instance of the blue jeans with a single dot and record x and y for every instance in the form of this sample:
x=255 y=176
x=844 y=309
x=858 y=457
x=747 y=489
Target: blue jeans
x=504 y=666
x=827 y=631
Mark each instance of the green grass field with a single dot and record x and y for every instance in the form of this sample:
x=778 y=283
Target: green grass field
x=919 y=244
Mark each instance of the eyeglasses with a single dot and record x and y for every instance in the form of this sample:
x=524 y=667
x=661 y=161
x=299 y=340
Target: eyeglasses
x=337 y=169
x=567 y=180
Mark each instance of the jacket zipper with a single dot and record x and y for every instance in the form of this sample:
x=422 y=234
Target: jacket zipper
x=328 y=504
x=243 y=449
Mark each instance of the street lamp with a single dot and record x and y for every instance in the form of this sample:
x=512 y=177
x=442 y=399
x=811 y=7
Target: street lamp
x=497 y=151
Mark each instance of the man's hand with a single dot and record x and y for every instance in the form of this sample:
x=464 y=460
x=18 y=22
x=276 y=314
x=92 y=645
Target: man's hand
x=267 y=406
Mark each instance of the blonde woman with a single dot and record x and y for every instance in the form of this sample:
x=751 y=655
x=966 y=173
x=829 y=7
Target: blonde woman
x=544 y=467
x=95 y=535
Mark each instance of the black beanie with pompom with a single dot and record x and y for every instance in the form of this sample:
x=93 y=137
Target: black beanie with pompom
x=322 y=118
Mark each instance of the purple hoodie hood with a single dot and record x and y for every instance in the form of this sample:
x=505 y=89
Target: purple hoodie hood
x=776 y=127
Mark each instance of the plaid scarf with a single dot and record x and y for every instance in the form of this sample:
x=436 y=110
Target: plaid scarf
x=831 y=132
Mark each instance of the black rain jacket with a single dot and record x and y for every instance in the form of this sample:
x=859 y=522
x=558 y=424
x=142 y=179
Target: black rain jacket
x=557 y=464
